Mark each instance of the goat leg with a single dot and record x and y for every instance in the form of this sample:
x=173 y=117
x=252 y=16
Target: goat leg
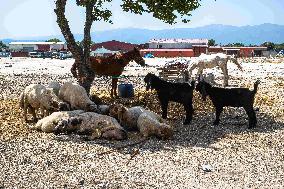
x=164 y=109
x=252 y=117
x=189 y=112
x=218 y=113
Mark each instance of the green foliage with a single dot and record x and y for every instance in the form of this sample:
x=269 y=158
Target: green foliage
x=54 y=40
x=211 y=42
x=273 y=46
x=279 y=47
x=269 y=45
x=235 y=45
x=3 y=45
x=166 y=10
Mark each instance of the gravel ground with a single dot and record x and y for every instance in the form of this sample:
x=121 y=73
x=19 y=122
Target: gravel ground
x=199 y=155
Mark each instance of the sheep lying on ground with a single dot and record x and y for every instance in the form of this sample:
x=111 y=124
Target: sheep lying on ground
x=36 y=96
x=235 y=97
x=77 y=96
x=127 y=116
x=137 y=118
x=99 y=126
x=49 y=123
x=151 y=124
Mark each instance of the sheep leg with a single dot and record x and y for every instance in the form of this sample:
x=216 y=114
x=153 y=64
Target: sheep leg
x=34 y=114
x=189 y=112
x=25 y=112
x=252 y=117
x=218 y=113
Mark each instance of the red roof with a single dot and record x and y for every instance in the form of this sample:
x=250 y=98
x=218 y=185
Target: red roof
x=149 y=50
x=114 y=46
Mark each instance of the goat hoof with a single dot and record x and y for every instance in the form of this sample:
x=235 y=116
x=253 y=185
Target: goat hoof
x=216 y=123
x=186 y=122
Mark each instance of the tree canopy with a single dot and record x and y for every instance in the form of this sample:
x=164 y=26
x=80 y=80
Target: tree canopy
x=169 y=11
x=53 y=40
x=3 y=45
x=211 y=42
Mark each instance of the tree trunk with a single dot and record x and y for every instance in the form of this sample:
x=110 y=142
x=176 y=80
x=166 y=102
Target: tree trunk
x=83 y=73
x=80 y=68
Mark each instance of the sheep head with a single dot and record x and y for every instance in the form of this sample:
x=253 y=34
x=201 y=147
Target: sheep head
x=165 y=131
x=114 y=109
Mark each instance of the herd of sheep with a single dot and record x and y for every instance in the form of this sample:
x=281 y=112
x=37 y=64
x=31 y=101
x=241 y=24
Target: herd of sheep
x=68 y=108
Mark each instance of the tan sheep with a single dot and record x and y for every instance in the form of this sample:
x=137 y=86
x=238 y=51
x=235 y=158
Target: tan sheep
x=127 y=116
x=55 y=86
x=97 y=125
x=49 y=123
x=151 y=124
x=77 y=96
x=37 y=97
x=137 y=118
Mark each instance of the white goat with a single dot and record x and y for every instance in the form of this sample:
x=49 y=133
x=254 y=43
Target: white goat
x=215 y=60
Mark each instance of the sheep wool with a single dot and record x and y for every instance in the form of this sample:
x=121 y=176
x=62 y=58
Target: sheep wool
x=97 y=125
x=151 y=124
x=49 y=123
x=35 y=97
x=77 y=96
x=55 y=86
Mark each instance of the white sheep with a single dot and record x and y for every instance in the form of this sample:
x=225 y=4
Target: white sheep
x=55 y=86
x=151 y=124
x=137 y=118
x=37 y=97
x=76 y=96
x=49 y=123
x=127 y=116
x=97 y=125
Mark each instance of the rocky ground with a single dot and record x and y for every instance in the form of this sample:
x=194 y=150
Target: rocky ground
x=199 y=155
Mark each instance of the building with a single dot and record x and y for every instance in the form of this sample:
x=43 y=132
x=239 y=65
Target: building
x=114 y=46
x=176 y=47
x=239 y=51
x=36 y=46
x=103 y=52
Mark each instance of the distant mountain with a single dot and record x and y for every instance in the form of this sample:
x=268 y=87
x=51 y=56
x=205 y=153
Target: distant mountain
x=223 y=34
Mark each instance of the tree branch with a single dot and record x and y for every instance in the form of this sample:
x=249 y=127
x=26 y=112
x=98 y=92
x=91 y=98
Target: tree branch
x=87 y=29
x=65 y=29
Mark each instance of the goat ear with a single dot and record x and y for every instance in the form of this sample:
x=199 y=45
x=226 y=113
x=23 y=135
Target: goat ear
x=199 y=78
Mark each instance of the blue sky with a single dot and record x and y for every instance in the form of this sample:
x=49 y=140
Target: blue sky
x=25 y=18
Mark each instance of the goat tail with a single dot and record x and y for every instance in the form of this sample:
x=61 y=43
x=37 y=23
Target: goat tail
x=256 y=86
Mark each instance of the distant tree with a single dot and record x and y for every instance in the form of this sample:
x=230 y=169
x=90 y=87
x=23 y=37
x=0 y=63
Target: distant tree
x=3 y=46
x=54 y=40
x=279 y=47
x=238 y=45
x=97 y=10
x=270 y=46
x=211 y=42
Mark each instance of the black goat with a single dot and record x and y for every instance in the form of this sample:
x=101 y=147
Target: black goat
x=176 y=92
x=235 y=97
